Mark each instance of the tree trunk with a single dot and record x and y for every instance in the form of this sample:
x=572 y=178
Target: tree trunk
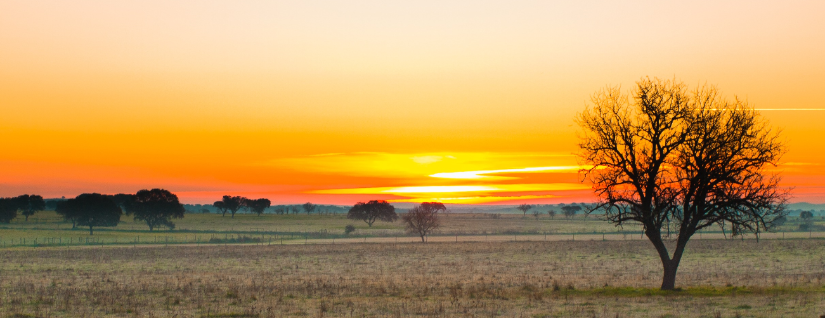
x=422 y=239
x=91 y=231
x=669 y=274
x=150 y=227
x=669 y=265
x=27 y=218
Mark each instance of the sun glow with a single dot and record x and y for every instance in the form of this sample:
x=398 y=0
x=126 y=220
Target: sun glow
x=482 y=174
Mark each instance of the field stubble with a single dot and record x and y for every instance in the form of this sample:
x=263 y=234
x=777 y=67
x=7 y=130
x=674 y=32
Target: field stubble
x=721 y=278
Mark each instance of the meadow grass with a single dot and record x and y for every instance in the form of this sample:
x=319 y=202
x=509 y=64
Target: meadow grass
x=718 y=278
x=47 y=228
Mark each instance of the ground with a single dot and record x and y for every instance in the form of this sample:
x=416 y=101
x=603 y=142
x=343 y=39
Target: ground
x=478 y=265
x=719 y=278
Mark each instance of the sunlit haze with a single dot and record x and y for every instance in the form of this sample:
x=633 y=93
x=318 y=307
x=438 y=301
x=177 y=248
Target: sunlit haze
x=331 y=102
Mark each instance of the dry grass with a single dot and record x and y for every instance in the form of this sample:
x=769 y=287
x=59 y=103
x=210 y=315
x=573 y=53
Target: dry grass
x=497 y=279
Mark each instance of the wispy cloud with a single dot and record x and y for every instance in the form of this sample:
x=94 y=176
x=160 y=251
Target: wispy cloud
x=483 y=174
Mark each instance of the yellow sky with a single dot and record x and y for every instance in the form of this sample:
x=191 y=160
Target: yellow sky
x=297 y=100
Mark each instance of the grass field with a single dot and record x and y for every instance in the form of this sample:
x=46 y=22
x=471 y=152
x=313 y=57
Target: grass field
x=719 y=278
x=48 y=229
x=478 y=265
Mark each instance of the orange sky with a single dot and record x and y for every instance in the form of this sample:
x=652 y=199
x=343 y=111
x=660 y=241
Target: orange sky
x=335 y=102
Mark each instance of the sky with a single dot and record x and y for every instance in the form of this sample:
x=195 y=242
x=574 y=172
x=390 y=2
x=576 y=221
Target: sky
x=336 y=102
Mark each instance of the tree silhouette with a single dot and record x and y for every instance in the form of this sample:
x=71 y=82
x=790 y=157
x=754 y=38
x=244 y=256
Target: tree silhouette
x=124 y=201
x=373 y=211
x=156 y=207
x=258 y=206
x=678 y=162
x=570 y=211
x=30 y=204
x=90 y=209
x=524 y=208
x=308 y=207
x=551 y=213
x=8 y=209
x=423 y=219
x=229 y=204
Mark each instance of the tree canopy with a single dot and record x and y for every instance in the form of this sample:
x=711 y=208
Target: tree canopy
x=678 y=161
x=90 y=209
x=372 y=211
x=258 y=206
x=230 y=204
x=524 y=208
x=156 y=207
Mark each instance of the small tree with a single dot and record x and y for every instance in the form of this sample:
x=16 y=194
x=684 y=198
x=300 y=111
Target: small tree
x=221 y=207
x=156 y=207
x=229 y=204
x=807 y=220
x=29 y=204
x=536 y=214
x=551 y=213
x=423 y=219
x=570 y=210
x=309 y=207
x=349 y=229
x=373 y=211
x=91 y=209
x=524 y=208
x=258 y=206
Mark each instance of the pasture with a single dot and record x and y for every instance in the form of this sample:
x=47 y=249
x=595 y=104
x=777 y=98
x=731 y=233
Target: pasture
x=477 y=265
x=49 y=229
x=719 y=278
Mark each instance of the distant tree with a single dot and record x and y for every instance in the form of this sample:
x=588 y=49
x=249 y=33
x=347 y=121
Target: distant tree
x=309 y=207
x=524 y=208
x=279 y=210
x=423 y=219
x=780 y=221
x=372 y=211
x=536 y=214
x=258 y=206
x=8 y=209
x=807 y=220
x=204 y=211
x=90 y=209
x=229 y=204
x=551 y=213
x=570 y=211
x=349 y=229
x=221 y=207
x=29 y=204
x=156 y=207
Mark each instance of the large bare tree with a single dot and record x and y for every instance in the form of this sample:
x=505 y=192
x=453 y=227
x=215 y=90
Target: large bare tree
x=679 y=161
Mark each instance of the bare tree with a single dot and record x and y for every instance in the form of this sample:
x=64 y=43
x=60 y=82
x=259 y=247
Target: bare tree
x=524 y=208
x=536 y=214
x=551 y=213
x=423 y=219
x=678 y=162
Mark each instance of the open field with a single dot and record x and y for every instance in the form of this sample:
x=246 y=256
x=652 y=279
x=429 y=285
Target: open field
x=721 y=278
x=48 y=229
